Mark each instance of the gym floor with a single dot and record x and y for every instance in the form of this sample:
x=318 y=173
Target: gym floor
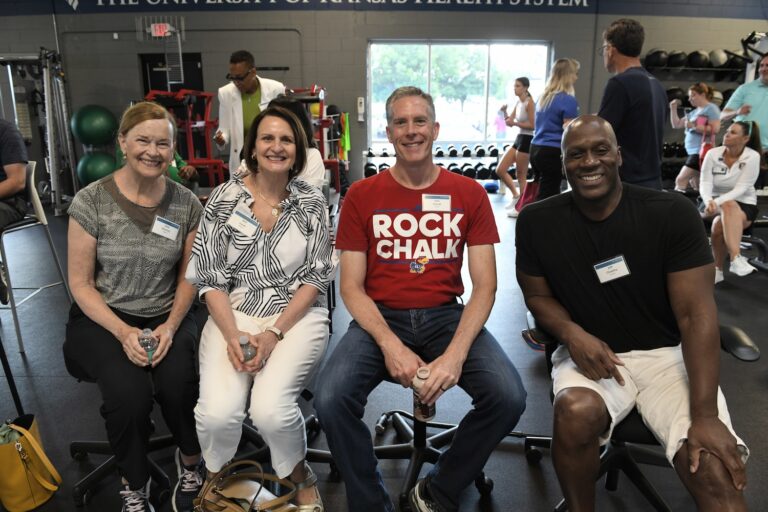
x=67 y=410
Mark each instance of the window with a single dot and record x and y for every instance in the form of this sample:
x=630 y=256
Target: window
x=468 y=81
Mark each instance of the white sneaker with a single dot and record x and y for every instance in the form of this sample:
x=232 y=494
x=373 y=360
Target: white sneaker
x=512 y=214
x=511 y=204
x=719 y=277
x=740 y=266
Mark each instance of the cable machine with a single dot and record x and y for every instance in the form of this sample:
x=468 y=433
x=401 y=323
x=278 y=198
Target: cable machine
x=44 y=76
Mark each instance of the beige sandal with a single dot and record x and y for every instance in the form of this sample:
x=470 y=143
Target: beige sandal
x=310 y=481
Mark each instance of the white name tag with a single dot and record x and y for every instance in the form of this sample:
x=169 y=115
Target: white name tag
x=165 y=228
x=611 y=269
x=242 y=222
x=435 y=203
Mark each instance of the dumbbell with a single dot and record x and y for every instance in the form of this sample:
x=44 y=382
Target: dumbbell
x=383 y=167
x=681 y=152
x=440 y=164
x=454 y=168
x=370 y=153
x=492 y=168
x=370 y=170
x=479 y=150
x=452 y=151
x=493 y=150
x=384 y=152
x=439 y=151
x=482 y=172
x=465 y=151
x=468 y=171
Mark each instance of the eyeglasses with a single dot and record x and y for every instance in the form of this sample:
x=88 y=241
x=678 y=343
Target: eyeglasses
x=240 y=78
x=601 y=50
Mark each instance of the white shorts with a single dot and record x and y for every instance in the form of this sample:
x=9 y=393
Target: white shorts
x=656 y=382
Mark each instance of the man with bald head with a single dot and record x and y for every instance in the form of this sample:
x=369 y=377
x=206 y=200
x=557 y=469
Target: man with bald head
x=631 y=303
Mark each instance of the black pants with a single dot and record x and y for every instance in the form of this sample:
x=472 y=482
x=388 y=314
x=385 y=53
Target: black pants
x=11 y=210
x=128 y=391
x=548 y=168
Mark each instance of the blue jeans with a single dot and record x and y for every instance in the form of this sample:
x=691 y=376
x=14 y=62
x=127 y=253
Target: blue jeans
x=357 y=366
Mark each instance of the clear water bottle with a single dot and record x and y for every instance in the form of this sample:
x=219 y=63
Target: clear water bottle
x=248 y=350
x=148 y=342
x=421 y=411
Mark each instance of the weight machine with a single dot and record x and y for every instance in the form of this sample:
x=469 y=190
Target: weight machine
x=44 y=75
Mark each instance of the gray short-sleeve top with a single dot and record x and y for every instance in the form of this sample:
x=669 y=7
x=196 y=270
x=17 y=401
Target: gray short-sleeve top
x=136 y=269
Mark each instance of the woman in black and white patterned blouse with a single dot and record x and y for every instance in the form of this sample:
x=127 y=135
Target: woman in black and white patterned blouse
x=262 y=261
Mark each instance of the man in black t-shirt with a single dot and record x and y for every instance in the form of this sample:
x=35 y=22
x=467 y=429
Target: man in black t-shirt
x=635 y=104
x=623 y=280
x=13 y=179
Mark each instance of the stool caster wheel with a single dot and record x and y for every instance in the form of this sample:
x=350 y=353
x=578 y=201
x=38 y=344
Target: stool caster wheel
x=484 y=485
x=312 y=425
x=79 y=497
x=334 y=474
x=405 y=503
x=162 y=495
x=533 y=456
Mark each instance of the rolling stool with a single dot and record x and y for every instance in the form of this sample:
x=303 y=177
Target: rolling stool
x=416 y=447
x=79 y=450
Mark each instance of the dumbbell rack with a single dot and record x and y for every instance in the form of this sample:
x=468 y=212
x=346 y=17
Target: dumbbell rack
x=476 y=164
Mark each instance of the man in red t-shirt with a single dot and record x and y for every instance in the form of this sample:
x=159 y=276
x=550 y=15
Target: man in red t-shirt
x=402 y=235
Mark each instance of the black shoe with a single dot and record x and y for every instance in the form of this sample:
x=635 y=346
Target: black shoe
x=136 y=501
x=420 y=499
x=189 y=484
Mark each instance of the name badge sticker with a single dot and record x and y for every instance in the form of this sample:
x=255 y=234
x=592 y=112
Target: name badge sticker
x=242 y=222
x=435 y=203
x=612 y=269
x=165 y=228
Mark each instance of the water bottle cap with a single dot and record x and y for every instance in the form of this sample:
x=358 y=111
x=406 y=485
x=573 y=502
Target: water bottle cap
x=146 y=332
x=423 y=373
x=243 y=340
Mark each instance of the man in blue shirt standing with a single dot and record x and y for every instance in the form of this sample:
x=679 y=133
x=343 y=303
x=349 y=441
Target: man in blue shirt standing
x=635 y=104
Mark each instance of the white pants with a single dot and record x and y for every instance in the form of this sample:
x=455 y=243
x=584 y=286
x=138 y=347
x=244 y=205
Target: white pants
x=656 y=382
x=274 y=391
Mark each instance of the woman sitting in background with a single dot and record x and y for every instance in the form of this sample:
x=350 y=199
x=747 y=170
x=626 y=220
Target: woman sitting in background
x=130 y=236
x=262 y=262
x=727 y=190
x=701 y=123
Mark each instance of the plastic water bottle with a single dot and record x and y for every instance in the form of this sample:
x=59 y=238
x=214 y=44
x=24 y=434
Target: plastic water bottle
x=248 y=350
x=421 y=411
x=148 y=342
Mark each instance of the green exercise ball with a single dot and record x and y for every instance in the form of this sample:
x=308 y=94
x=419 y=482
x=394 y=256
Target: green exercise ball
x=94 y=166
x=94 y=125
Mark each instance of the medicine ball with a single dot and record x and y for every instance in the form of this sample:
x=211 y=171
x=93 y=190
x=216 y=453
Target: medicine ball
x=676 y=93
x=738 y=60
x=677 y=59
x=718 y=58
x=94 y=125
x=717 y=98
x=370 y=170
x=698 y=59
x=94 y=166
x=656 y=58
x=491 y=187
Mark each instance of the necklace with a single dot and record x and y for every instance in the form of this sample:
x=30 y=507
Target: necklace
x=276 y=209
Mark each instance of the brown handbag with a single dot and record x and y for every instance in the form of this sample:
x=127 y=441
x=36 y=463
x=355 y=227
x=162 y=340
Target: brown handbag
x=27 y=477
x=242 y=490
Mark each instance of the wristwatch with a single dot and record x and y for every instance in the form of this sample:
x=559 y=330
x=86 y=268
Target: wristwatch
x=277 y=332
